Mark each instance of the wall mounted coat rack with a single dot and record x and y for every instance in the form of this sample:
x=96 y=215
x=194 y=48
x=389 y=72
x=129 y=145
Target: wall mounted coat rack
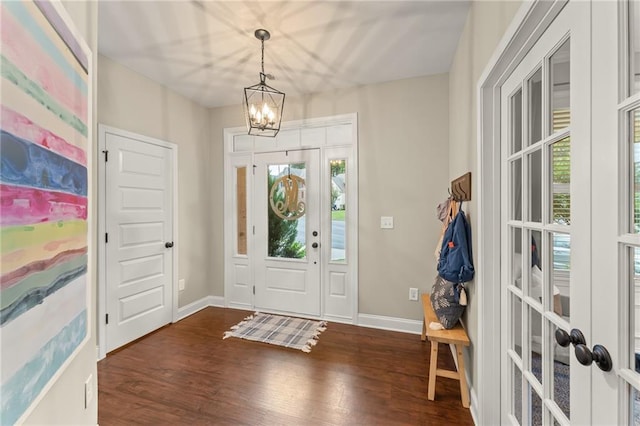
x=461 y=187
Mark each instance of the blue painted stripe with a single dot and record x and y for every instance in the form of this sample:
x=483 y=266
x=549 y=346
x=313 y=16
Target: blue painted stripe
x=27 y=164
x=26 y=384
x=23 y=16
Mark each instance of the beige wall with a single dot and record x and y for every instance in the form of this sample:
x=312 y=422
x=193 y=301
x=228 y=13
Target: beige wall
x=486 y=23
x=63 y=404
x=403 y=159
x=131 y=102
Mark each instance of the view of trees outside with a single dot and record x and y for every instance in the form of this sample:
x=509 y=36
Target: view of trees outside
x=283 y=234
x=338 y=209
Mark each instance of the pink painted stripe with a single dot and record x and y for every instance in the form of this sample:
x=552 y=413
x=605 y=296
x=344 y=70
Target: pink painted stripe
x=20 y=126
x=25 y=53
x=28 y=206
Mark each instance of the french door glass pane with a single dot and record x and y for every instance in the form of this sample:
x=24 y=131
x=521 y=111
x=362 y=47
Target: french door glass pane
x=535 y=186
x=561 y=274
x=338 y=210
x=516 y=324
x=516 y=257
x=536 y=408
x=634 y=314
x=516 y=190
x=535 y=107
x=516 y=381
x=561 y=375
x=560 y=88
x=535 y=267
x=286 y=193
x=535 y=343
x=635 y=147
x=516 y=122
x=560 y=157
x=634 y=46
x=241 y=210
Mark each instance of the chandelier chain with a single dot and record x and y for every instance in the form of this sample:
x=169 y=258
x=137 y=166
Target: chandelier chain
x=262 y=51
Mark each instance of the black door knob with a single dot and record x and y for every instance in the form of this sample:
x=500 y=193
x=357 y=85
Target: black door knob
x=600 y=355
x=168 y=245
x=314 y=245
x=575 y=337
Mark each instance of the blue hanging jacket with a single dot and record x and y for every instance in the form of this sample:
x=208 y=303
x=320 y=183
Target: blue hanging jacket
x=456 y=257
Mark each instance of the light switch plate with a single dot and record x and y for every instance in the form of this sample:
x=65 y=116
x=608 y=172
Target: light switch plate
x=181 y=284
x=386 y=222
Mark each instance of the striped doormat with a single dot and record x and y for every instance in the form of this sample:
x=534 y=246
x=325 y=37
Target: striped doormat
x=296 y=333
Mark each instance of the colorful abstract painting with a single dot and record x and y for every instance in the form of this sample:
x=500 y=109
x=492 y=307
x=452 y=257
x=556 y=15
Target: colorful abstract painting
x=44 y=146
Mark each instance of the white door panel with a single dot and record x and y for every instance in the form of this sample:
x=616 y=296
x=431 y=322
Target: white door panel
x=287 y=279
x=139 y=223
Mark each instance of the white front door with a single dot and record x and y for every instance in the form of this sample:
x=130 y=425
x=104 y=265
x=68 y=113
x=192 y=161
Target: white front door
x=139 y=233
x=287 y=239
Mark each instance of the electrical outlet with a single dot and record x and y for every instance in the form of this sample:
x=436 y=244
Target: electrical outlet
x=181 y=284
x=88 y=391
x=413 y=293
x=386 y=222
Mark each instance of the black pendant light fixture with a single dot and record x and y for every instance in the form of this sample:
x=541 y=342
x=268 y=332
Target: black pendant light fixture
x=262 y=103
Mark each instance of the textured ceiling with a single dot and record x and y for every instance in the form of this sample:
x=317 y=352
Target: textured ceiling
x=206 y=50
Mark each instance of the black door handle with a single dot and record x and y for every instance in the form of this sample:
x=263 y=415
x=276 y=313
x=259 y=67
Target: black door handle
x=600 y=355
x=576 y=337
x=314 y=245
x=168 y=245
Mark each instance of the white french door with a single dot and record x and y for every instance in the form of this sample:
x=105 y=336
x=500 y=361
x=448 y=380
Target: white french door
x=287 y=237
x=570 y=221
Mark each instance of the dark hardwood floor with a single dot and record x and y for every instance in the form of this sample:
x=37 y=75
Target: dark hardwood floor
x=186 y=374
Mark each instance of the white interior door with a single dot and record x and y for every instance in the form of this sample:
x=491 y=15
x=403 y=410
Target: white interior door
x=287 y=239
x=547 y=225
x=139 y=227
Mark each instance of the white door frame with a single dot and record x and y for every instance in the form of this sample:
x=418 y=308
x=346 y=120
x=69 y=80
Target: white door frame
x=103 y=130
x=529 y=23
x=333 y=135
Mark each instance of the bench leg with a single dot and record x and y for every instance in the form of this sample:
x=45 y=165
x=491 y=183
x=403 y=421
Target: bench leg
x=433 y=366
x=464 y=390
x=424 y=330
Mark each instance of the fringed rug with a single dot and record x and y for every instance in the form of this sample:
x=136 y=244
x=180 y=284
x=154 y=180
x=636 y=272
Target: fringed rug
x=296 y=333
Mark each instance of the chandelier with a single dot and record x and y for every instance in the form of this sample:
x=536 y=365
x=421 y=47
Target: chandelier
x=262 y=103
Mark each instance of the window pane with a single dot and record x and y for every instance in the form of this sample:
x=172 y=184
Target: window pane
x=535 y=107
x=516 y=259
x=634 y=46
x=561 y=375
x=286 y=193
x=535 y=186
x=516 y=189
x=635 y=144
x=536 y=408
x=560 y=157
x=516 y=324
x=634 y=406
x=560 y=88
x=535 y=330
x=561 y=276
x=516 y=380
x=338 y=210
x=536 y=280
x=241 y=209
x=634 y=317
x=516 y=122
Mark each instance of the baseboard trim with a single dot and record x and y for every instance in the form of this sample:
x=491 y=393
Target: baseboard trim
x=473 y=409
x=390 y=323
x=199 y=305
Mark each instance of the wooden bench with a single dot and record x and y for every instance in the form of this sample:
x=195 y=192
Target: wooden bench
x=456 y=336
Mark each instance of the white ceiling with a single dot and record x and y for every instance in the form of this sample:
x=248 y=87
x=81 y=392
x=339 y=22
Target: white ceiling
x=206 y=50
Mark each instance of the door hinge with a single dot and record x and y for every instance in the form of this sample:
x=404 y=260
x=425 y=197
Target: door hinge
x=254 y=290
x=254 y=169
x=254 y=230
x=106 y=237
x=106 y=318
x=106 y=155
